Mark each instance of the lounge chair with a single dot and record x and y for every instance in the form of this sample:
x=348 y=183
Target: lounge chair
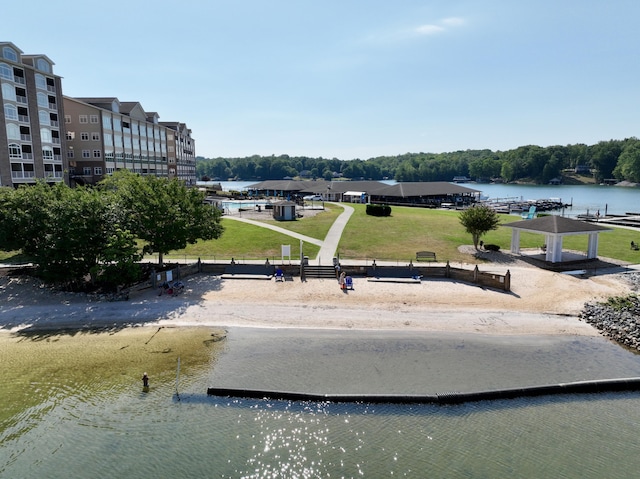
x=279 y=275
x=348 y=282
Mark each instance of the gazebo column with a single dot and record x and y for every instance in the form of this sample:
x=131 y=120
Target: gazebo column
x=554 y=248
x=515 y=241
x=592 y=248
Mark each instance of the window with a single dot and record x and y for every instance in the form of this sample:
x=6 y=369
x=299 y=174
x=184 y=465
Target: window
x=10 y=112
x=43 y=65
x=44 y=117
x=117 y=124
x=10 y=54
x=8 y=92
x=106 y=121
x=47 y=154
x=69 y=153
x=84 y=136
x=67 y=119
x=45 y=135
x=95 y=136
x=86 y=154
x=97 y=171
x=108 y=139
x=70 y=135
x=93 y=119
x=15 y=152
x=13 y=132
x=97 y=154
x=83 y=119
x=86 y=171
x=41 y=81
x=43 y=100
x=6 y=71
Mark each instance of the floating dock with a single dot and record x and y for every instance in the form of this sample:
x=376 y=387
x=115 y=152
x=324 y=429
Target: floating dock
x=579 y=387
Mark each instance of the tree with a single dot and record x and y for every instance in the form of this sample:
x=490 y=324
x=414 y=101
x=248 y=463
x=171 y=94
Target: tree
x=479 y=220
x=66 y=232
x=628 y=167
x=164 y=213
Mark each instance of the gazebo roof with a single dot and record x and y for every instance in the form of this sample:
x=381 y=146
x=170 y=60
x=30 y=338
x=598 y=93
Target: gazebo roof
x=554 y=224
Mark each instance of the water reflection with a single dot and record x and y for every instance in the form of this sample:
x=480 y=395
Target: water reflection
x=117 y=431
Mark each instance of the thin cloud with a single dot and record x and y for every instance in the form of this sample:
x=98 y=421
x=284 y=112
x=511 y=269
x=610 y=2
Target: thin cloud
x=429 y=29
x=440 y=27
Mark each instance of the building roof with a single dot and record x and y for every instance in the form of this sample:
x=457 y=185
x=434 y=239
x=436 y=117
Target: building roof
x=556 y=225
x=372 y=188
x=423 y=188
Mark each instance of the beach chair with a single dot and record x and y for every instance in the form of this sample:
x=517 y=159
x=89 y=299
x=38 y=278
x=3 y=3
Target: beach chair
x=530 y=214
x=348 y=282
x=279 y=275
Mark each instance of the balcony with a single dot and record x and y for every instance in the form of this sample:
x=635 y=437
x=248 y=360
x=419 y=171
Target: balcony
x=51 y=88
x=24 y=137
x=53 y=106
x=22 y=175
x=23 y=118
x=18 y=79
x=21 y=99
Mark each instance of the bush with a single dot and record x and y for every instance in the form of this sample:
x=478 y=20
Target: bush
x=378 y=210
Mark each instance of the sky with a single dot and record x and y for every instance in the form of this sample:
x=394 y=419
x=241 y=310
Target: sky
x=351 y=78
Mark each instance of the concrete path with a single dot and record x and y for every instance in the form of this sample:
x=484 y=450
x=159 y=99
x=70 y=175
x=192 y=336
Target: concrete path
x=328 y=246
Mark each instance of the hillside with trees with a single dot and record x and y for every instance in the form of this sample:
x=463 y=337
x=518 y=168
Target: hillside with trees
x=612 y=159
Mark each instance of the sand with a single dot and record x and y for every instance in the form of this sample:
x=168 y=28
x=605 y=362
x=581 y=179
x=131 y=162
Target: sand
x=540 y=302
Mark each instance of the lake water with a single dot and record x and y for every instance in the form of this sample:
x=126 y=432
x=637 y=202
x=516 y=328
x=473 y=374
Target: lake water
x=124 y=432
x=614 y=200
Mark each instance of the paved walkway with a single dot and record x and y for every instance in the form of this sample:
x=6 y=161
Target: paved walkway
x=328 y=246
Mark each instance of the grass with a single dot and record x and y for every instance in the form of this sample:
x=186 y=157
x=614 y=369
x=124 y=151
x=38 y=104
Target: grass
x=316 y=226
x=244 y=241
x=394 y=238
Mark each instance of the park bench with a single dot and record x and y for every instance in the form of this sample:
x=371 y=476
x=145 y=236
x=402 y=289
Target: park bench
x=425 y=256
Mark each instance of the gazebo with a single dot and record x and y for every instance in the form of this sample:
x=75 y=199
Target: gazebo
x=555 y=228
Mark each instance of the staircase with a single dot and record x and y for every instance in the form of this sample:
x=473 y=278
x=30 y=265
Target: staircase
x=324 y=272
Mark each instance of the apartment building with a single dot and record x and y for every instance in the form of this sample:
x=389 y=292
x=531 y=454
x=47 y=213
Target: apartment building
x=98 y=135
x=31 y=135
x=104 y=135
x=182 y=152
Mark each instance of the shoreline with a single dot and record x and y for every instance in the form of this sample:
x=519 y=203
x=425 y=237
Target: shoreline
x=540 y=302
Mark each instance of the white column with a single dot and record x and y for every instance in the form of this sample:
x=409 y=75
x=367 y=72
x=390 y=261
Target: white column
x=515 y=241
x=592 y=251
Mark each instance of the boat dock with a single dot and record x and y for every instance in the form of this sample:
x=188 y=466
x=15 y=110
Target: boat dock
x=518 y=205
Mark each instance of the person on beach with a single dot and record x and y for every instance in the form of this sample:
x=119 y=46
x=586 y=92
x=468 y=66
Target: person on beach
x=341 y=280
x=145 y=380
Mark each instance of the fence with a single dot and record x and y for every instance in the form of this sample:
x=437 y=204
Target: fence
x=474 y=276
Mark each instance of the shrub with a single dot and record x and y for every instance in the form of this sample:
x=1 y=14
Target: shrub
x=378 y=210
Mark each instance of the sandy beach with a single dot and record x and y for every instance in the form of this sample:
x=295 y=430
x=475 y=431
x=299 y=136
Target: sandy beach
x=540 y=302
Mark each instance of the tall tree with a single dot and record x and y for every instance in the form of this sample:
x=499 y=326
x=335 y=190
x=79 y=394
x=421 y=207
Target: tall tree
x=164 y=213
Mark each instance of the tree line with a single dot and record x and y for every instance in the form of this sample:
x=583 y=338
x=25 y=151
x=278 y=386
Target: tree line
x=97 y=235
x=613 y=159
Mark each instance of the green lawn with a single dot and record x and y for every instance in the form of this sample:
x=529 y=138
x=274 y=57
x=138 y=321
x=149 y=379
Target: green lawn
x=394 y=238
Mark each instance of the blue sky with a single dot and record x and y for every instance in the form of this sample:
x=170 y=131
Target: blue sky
x=352 y=79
